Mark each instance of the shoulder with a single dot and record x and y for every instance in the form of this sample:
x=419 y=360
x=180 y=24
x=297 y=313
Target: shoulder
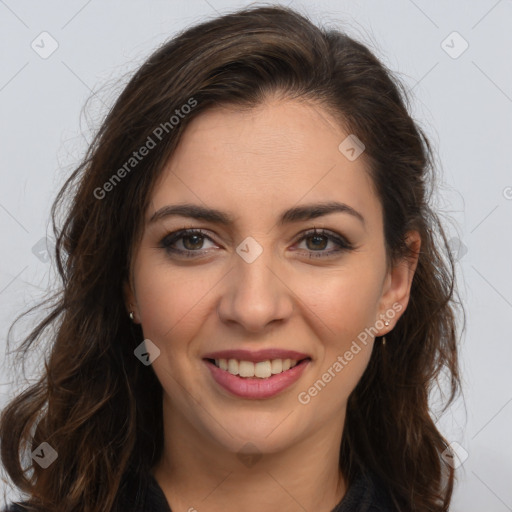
x=138 y=492
x=366 y=494
x=379 y=499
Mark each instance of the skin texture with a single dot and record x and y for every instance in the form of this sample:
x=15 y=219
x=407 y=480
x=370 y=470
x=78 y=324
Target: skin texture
x=254 y=165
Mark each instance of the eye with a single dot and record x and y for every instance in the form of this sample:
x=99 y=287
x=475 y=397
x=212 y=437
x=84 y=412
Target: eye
x=320 y=239
x=192 y=241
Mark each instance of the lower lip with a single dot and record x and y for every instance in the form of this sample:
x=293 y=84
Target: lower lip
x=247 y=387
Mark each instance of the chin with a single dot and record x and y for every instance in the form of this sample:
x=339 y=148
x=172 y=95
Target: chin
x=267 y=434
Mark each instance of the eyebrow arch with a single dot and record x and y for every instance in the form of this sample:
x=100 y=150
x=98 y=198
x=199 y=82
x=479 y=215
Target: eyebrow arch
x=295 y=214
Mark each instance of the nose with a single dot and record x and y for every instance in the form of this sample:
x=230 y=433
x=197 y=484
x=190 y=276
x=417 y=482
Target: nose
x=256 y=293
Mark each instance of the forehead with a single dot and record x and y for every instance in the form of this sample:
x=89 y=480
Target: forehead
x=257 y=162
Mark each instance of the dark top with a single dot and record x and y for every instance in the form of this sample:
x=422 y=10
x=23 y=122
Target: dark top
x=365 y=495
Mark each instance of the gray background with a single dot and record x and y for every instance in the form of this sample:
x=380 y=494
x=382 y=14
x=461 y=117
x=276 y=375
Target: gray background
x=463 y=100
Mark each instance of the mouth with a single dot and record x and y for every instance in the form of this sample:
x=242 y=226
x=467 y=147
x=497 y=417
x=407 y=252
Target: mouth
x=256 y=380
x=260 y=370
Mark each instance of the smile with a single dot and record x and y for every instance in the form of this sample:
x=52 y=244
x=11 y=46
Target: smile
x=256 y=380
x=262 y=369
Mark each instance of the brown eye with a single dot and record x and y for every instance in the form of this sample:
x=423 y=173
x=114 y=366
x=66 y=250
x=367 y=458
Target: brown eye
x=317 y=241
x=192 y=241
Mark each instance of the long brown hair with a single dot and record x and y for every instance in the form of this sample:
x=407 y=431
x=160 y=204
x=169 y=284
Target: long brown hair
x=95 y=403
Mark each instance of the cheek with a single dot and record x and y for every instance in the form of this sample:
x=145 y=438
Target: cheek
x=339 y=303
x=345 y=301
x=343 y=313
x=342 y=307
x=169 y=299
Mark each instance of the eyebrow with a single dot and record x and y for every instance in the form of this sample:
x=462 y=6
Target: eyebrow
x=295 y=214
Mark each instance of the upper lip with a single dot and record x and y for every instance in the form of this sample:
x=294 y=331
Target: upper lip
x=256 y=355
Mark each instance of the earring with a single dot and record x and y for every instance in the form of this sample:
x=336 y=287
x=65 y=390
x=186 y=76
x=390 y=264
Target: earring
x=131 y=316
x=386 y=323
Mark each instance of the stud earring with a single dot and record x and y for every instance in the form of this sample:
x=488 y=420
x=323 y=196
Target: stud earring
x=386 y=323
x=131 y=316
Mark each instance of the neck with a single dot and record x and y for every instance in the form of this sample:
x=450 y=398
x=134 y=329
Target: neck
x=196 y=473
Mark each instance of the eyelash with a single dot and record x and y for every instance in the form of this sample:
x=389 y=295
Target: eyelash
x=167 y=242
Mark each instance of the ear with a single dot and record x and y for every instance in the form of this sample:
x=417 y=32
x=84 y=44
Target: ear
x=397 y=285
x=130 y=301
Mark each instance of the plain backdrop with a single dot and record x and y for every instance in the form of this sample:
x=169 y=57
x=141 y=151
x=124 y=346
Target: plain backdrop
x=454 y=57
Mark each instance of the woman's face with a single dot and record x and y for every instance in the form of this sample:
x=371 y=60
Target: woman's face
x=255 y=283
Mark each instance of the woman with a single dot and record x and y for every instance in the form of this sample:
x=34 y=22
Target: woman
x=254 y=303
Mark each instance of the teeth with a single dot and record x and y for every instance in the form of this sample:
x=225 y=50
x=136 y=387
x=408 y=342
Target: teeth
x=262 y=369
x=246 y=368
x=277 y=366
x=232 y=366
